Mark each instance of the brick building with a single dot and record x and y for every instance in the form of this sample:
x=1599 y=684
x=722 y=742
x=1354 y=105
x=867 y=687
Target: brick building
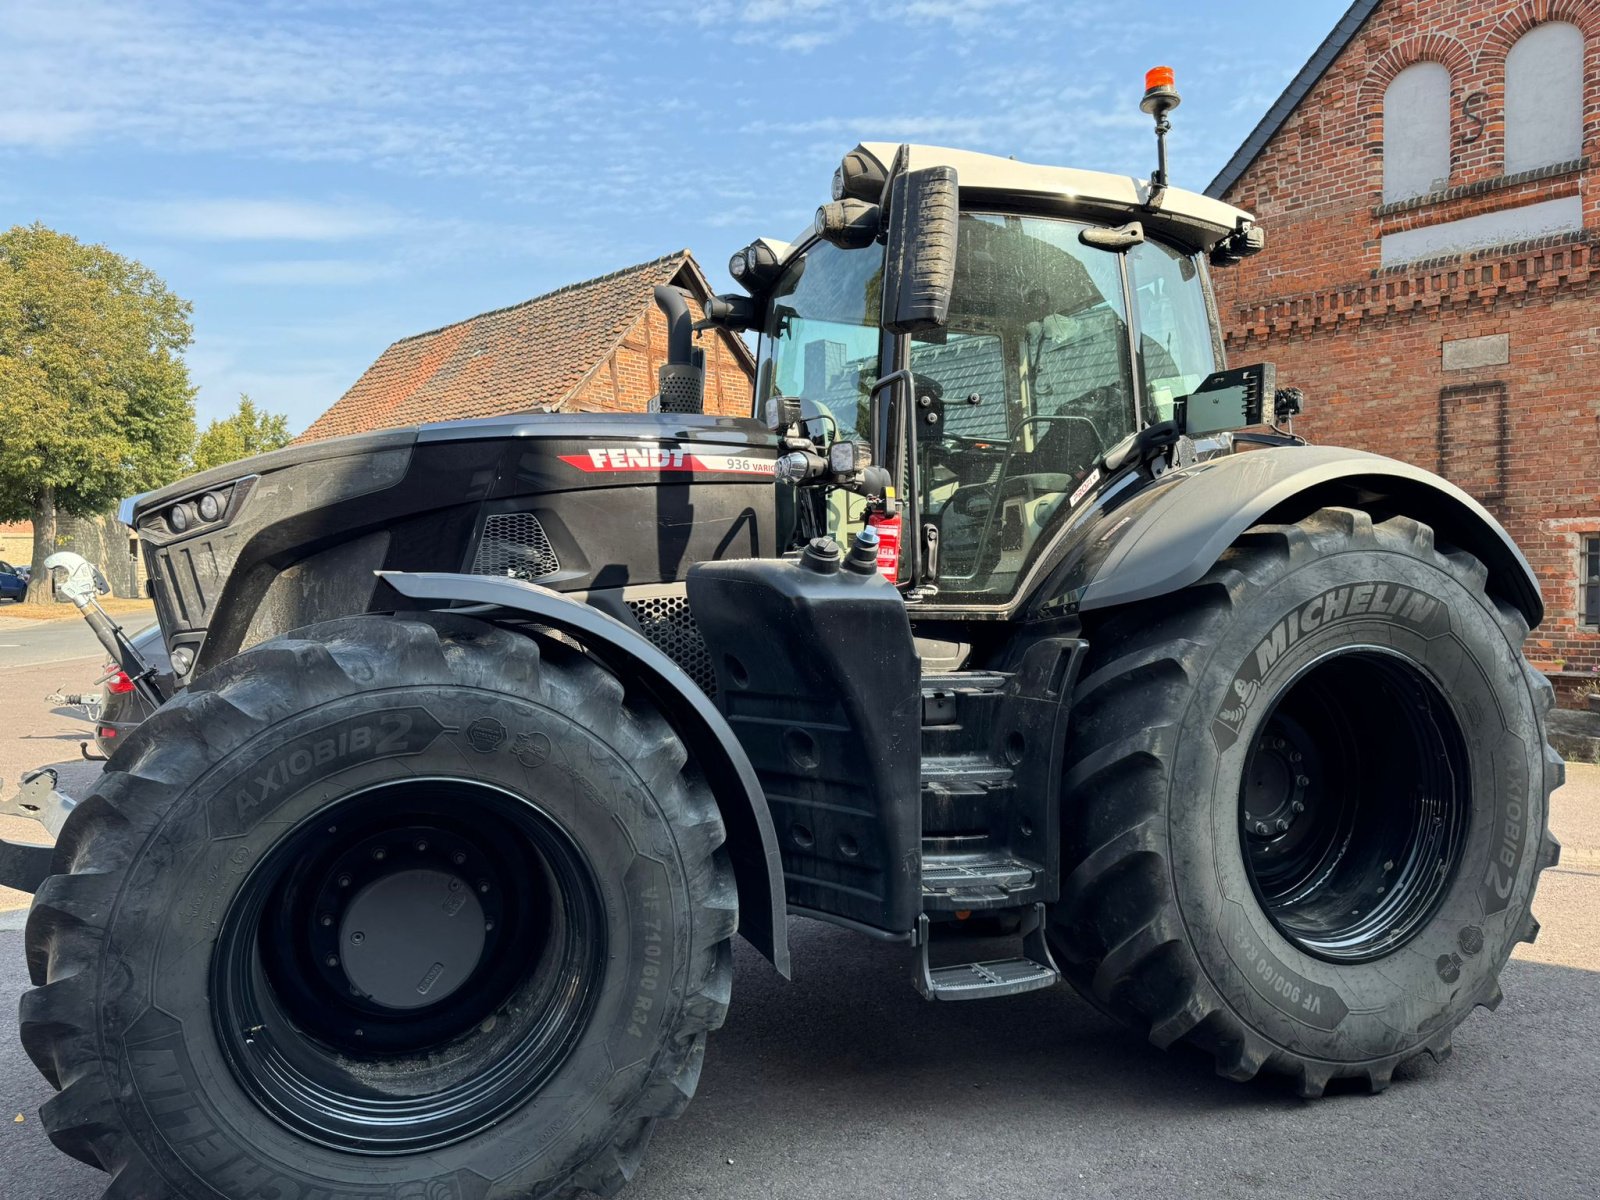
x=1431 y=193
x=593 y=346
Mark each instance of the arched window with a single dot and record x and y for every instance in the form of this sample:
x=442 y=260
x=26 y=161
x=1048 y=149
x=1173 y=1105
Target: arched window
x=1416 y=132
x=1544 y=97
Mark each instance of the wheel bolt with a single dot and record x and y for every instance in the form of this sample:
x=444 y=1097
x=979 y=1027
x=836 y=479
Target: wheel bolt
x=380 y=854
x=458 y=858
x=361 y=1033
x=1282 y=825
x=358 y=937
x=327 y=919
x=344 y=881
x=331 y=960
x=421 y=846
x=1261 y=827
x=488 y=926
x=1302 y=780
x=483 y=886
x=1295 y=756
x=1278 y=743
x=1299 y=806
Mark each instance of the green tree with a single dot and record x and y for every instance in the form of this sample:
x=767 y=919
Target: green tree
x=247 y=431
x=95 y=402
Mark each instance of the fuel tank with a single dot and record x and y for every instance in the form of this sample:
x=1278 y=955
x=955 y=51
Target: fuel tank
x=614 y=506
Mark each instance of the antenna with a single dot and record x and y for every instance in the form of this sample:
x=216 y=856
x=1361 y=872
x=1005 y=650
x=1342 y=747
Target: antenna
x=1160 y=98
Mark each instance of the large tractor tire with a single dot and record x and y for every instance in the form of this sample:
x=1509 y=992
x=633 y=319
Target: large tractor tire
x=1306 y=802
x=410 y=908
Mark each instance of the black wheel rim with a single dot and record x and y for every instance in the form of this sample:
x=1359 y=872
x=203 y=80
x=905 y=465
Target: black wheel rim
x=1354 y=805
x=409 y=966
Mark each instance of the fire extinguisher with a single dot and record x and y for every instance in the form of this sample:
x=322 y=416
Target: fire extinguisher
x=887 y=527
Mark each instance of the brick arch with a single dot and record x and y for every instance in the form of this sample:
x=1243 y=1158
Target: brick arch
x=1429 y=47
x=1523 y=19
x=1508 y=30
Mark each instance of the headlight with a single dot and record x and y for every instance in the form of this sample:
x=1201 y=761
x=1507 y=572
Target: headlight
x=849 y=458
x=210 y=506
x=178 y=518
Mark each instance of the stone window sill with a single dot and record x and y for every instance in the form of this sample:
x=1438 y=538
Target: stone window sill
x=1483 y=186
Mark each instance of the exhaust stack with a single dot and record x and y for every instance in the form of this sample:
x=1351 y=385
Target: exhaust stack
x=683 y=376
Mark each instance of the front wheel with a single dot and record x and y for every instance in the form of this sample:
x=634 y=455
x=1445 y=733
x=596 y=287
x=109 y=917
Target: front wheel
x=1306 y=803
x=391 y=907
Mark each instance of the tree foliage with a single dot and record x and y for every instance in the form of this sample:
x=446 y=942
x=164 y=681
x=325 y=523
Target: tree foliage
x=249 y=430
x=95 y=402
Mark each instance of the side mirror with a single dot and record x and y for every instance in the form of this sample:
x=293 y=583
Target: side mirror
x=919 y=268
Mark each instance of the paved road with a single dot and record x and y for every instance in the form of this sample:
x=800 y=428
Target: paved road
x=24 y=642
x=844 y=1083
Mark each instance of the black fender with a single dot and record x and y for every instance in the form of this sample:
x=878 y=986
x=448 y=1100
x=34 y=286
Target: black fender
x=1169 y=534
x=752 y=843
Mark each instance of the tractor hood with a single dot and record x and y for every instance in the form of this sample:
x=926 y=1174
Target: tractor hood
x=572 y=501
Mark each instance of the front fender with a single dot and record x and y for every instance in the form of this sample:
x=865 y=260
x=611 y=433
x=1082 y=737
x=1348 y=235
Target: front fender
x=752 y=844
x=1168 y=535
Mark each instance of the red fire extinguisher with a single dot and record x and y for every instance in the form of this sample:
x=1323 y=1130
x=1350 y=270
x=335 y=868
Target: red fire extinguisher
x=888 y=530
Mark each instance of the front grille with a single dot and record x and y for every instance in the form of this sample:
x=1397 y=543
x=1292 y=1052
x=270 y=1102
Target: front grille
x=668 y=623
x=515 y=544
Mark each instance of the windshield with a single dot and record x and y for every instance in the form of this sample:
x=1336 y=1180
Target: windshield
x=1032 y=379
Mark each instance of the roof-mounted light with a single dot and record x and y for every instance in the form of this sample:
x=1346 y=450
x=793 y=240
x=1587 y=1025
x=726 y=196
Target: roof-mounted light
x=859 y=176
x=757 y=266
x=848 y=224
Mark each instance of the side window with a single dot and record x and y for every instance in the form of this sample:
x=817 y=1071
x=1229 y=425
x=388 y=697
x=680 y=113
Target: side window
x=1176 y=351
x=1544 y=97
x=820 y=342
x=1416 y=132
x=1589 y=582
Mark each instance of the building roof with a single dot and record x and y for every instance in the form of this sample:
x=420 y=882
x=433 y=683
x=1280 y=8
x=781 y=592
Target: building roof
x=531 y=356
x=1332 y=46
x=1188 y=216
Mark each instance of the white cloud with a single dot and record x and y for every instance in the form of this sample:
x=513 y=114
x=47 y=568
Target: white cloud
x=246 y=220
x=309 y=272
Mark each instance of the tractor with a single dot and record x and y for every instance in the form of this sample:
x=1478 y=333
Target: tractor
x=1009 y=605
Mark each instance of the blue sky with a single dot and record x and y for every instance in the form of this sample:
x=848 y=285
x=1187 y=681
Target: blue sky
x=321 y=179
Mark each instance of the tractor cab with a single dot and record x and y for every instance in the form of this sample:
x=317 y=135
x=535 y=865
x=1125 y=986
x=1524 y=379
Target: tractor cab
x=1075 y=310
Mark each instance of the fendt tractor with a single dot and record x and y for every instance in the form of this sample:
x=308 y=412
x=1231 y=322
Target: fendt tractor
x=1010 y=606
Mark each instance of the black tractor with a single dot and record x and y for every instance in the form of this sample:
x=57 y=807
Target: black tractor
x=1010 y=604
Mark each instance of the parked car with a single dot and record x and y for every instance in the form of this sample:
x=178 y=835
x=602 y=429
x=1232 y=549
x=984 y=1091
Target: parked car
x=13 y=582
x=122 y=709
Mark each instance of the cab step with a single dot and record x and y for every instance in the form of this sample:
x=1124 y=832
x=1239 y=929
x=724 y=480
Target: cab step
x=991 y=979
x=952 y=882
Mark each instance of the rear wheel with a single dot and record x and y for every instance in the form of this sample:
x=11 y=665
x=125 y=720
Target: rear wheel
x=1306 y=803
x=390 y=907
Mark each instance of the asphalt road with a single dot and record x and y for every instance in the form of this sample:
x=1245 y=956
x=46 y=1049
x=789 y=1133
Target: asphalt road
x=845 y=1083
x=25 y=642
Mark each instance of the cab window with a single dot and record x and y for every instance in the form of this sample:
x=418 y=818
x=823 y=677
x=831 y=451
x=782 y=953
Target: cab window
x=1035 y=380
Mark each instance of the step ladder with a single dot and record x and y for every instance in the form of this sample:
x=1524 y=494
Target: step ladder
x=987 y=980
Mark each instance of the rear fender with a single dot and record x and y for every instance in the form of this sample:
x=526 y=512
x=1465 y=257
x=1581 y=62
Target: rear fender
x=1168 y=535
x=752 y=845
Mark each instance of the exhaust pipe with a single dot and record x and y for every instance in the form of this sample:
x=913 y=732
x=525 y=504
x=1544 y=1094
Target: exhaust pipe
x=682 y=377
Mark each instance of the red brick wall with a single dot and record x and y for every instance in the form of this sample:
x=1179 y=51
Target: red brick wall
x=1366 y=342
x=627 y=380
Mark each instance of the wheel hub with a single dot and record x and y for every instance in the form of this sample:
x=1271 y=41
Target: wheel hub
x=412 y=938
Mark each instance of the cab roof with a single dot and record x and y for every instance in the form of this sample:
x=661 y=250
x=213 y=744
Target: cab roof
x=1194 y=220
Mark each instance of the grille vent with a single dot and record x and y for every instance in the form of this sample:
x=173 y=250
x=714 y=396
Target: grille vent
x=515 y=544
x=667 y=622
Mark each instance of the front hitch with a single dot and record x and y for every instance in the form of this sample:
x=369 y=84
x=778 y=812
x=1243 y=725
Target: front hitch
x=26 y=865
